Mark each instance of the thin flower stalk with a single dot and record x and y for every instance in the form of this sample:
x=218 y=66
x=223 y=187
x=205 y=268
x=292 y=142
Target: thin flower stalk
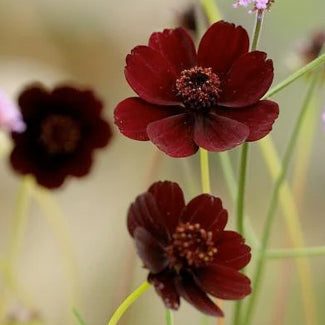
x=295 y=253
x=127 y=303
x=169 y=317
x=58 y=225
x=206 y=188
x=257 y=278
x=243 y=164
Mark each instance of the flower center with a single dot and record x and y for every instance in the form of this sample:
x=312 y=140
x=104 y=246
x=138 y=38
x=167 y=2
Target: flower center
x=199 y=87
x=191 y=246
x=60 y=134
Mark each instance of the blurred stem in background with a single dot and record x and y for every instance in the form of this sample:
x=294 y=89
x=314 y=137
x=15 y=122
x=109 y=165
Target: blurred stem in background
x=258 y=275
x=59 y=226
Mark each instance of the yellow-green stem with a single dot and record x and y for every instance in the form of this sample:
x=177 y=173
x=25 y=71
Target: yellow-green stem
x=127 y=303
x=211 y=10
x=205 y=172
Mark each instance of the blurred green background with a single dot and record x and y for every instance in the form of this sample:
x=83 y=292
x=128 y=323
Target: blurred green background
x=86 y=42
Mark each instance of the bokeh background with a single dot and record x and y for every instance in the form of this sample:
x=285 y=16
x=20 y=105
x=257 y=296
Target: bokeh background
x=86 y=42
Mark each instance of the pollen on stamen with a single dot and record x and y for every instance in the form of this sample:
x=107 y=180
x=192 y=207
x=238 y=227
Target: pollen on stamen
x=191 y=246
x=198 y=87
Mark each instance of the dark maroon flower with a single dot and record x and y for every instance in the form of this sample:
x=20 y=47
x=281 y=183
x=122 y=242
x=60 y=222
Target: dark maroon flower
x=63 y=128
x=208 y=99
x=186 y=249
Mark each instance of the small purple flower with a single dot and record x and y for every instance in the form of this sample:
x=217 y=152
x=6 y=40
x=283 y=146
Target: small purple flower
x=10 y=117
x=323 y=116
x=258 y=4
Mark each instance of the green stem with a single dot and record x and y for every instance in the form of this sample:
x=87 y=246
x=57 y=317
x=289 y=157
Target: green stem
x=211 y=9
x=241 y=188
x=127 y=303
x=78 y=317
x=293 y=253
x=296 y=75
x=257 y=29
x=205 y=172
x=243 y=165
x=274 y=202
x=169 y=317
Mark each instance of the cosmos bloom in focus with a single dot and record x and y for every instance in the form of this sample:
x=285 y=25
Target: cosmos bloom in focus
x=10 y=116
x=188 y=99
x=186 y=250
x=63 y=128
x=258 y=4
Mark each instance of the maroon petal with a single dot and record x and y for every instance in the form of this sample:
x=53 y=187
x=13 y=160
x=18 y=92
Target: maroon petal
x=151 y=76
x=133 y=115
x=259 y=117
x=170 y=199
x=223 y=282
x=176 y=46
x=221 y=45
x=247 y=81
x=173 y=135
x=144 y=212
x=232 y=251
x=166 y=289
x=218 y=133
x=150 y=250
x=190 y=291
x=206 y=210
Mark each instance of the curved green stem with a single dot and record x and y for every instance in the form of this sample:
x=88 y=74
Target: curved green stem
x=274 y=202
x=127 y=303
x=296 y=75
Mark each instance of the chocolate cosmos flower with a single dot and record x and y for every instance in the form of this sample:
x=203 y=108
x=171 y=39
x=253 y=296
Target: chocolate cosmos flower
x=209 y=99
x=63 y=128
x=186 y=249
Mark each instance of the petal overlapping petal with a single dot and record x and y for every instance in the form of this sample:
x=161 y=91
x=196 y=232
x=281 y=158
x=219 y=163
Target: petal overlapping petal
x=207 y=211
x=176 y=46
x=151 y=76
x=133 y=115
x=259 y=117
x=247 y=81
x=145 y=213
x=194 y=295
x=223 y=282
x=150 y=250
x=166 y=289
x=221 y=45
x=218 y=133
x=170 y=200
x=173 y=135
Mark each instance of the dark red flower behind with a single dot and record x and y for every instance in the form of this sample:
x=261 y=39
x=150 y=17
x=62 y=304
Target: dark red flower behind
x=188 y=99
x=63 y=128
x=186 y=249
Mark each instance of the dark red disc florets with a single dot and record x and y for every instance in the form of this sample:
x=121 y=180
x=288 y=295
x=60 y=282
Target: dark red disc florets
x=199 y=87
x=60 y=134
